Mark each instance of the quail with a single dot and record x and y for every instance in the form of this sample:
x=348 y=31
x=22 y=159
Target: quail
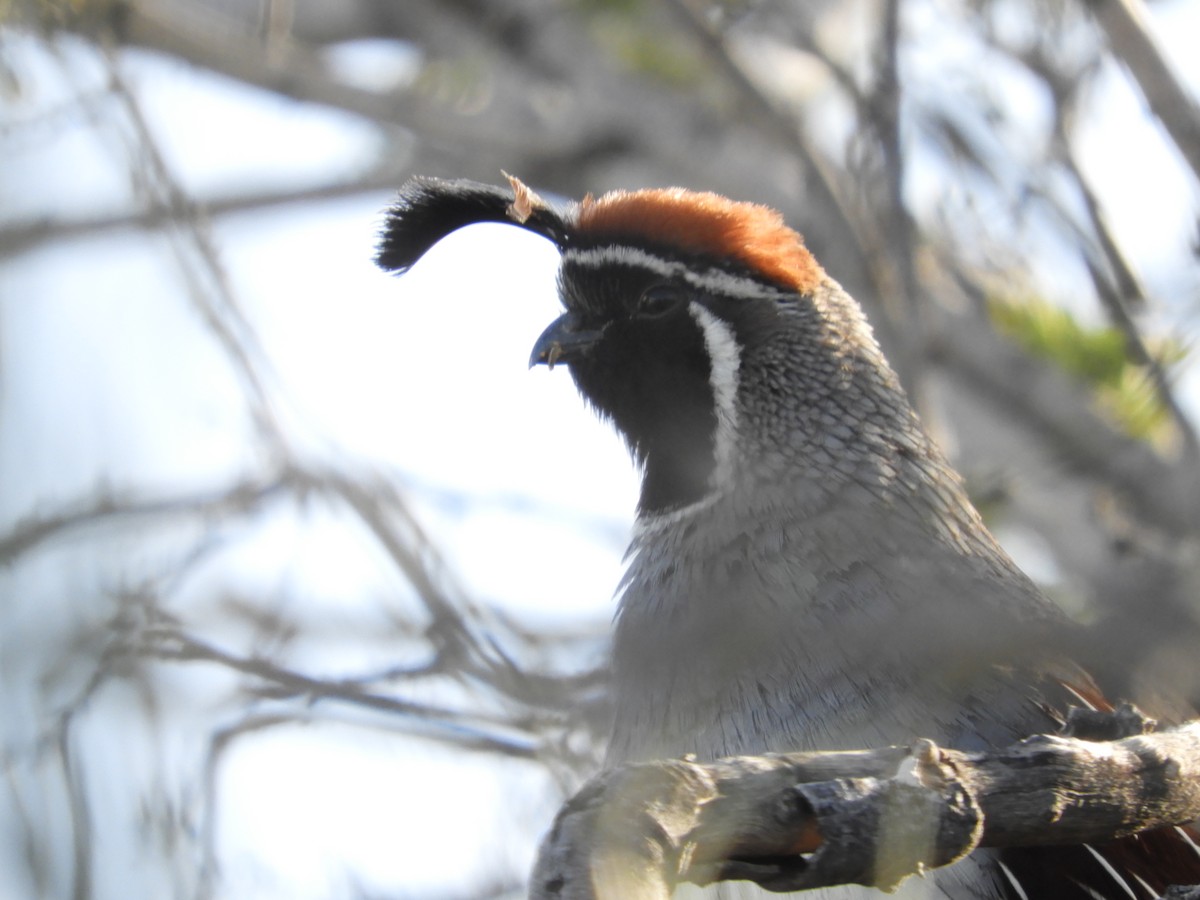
x=806 y=569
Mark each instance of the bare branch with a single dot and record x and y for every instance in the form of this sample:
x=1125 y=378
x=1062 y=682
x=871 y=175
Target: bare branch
x=1118 y=297
x=776 y=121
x=203 y=35
x=109 y=507
x=804 y=820
x=467 y=730
x=20 y=237
x=82 y=838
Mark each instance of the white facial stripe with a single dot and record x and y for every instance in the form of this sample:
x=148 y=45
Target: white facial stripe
x=725 y=356
x=712 y=281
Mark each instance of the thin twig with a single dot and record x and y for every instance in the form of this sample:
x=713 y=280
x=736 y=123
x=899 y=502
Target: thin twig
x=775 y=120
x=886 y=104
x=108 y=506
x=200 y=262
x=1116 y=299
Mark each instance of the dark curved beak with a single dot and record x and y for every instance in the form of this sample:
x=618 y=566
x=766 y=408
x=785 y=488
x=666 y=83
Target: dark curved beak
x=564 y=341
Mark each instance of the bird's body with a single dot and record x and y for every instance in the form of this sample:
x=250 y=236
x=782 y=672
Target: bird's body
x=807 y=571
x=880 y=601
x=809 y=687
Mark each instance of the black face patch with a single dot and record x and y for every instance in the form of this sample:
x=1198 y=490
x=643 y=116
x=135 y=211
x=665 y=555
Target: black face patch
x=650 y=374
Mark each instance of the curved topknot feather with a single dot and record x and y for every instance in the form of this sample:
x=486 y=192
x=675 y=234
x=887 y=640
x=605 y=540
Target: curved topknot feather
x=428 y=209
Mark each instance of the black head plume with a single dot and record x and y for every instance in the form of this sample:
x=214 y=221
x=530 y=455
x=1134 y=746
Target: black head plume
x=428 y=209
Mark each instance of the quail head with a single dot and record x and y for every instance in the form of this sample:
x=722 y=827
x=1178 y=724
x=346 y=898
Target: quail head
x=806 y=571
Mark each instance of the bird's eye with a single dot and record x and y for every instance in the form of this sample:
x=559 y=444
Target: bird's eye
x=660 y=299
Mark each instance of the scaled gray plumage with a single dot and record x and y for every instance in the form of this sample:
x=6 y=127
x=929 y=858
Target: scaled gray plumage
x=843 y=589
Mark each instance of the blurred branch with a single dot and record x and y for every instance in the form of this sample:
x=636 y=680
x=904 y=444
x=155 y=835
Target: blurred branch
x=221 y=741
x=83 y=843
x=777 y=121
x=1099 y=240
x=1129 y=34
x=207 y=37
x=1057 y=411
x=31 y=840
x=200 y=262
x=1137 y=350
x=1116 y=299
x=109 y=507
x=902 y=293
x=465 y=730
x=203 y=35
x=22 y=236
x=469 y=639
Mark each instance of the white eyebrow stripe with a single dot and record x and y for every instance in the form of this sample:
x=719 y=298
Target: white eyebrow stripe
x=622 y=256
x=711 y=280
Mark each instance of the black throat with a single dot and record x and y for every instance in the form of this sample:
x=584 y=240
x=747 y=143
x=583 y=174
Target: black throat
x=653 y=379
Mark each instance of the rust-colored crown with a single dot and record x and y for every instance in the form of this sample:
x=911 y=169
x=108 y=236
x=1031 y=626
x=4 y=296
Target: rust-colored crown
x=705 y=224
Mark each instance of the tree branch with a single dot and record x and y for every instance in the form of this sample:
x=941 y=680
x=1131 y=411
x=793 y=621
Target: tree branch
x=23 y=235
x=1124 y=23
x=795 y=821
